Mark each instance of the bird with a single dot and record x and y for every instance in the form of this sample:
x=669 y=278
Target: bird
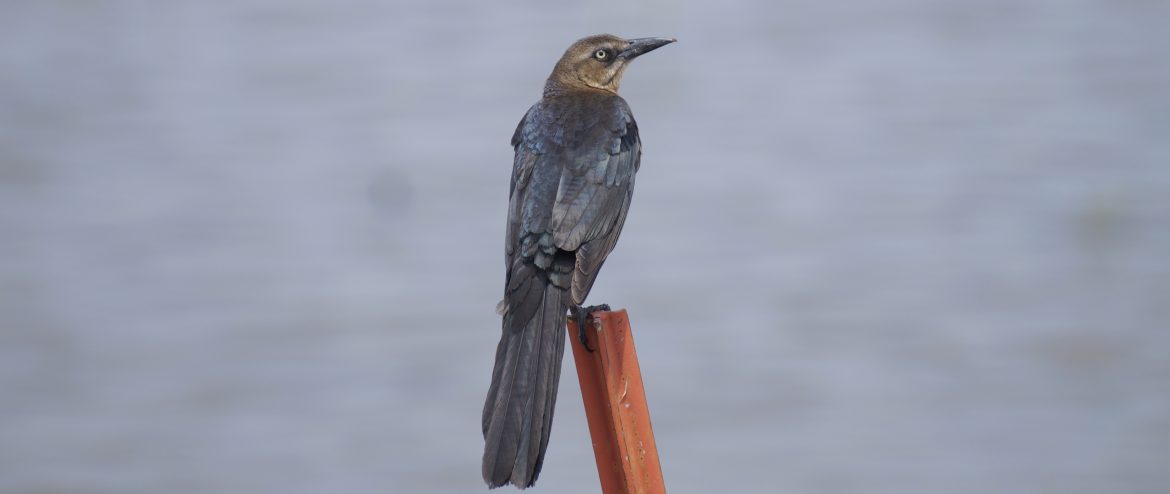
x=576 y=153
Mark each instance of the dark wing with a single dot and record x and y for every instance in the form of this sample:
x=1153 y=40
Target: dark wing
x=571 y=187
x=522 y=165
x=529 y=246
x=594 y=194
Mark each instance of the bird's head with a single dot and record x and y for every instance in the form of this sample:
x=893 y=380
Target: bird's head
x=599 y=61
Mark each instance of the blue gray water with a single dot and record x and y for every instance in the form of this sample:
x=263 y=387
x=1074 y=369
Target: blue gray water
x=904 y=246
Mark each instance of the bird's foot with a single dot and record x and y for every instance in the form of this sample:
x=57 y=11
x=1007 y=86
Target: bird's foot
x=584 y=316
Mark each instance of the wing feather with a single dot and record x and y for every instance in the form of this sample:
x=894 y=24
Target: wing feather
x=572 y=182
x=589 y=214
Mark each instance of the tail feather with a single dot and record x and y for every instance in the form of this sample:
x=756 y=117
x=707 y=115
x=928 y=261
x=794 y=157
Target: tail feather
x=520 y=402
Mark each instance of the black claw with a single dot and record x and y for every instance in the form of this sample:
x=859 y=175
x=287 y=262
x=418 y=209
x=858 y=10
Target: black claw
x=581 y=314
x=584 y=316
x=581 y=336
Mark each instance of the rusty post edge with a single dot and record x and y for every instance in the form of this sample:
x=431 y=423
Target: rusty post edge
x=615 y=406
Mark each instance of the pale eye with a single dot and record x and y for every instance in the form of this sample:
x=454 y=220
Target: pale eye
x=601 y=54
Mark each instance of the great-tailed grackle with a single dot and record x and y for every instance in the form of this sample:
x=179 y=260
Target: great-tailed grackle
x=577 y=150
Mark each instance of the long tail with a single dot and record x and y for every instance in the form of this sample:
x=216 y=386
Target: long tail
x=519 y=409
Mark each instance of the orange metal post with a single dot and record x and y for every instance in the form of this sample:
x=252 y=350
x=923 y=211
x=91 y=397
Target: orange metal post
x=615 y=404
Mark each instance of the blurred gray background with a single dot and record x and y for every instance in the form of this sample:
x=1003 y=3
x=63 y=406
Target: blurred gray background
x=876 y=247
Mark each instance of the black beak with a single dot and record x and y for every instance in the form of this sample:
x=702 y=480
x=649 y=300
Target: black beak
x=640 y=46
